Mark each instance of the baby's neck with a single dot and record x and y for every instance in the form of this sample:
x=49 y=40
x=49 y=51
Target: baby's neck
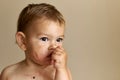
x=37 y=67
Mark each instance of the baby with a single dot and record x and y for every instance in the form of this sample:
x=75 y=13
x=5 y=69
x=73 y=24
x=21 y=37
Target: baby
x=40 y=34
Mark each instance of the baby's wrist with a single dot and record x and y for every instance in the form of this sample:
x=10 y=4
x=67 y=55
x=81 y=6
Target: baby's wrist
x=61 y=69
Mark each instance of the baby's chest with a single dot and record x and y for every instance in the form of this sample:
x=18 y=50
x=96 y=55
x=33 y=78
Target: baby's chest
x=31 y=78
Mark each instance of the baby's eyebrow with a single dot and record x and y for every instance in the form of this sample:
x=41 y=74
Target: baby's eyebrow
x=62 y=36
x=41 y=33
x=49 y=35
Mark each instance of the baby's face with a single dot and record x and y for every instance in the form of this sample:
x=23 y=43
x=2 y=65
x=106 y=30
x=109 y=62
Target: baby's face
x=41 y=38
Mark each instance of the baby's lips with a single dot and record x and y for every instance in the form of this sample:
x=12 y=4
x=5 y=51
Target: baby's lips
x=50 y=54
x=52 y=61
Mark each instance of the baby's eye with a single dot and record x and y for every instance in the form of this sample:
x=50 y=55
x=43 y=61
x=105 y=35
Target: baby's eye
x=59 y=40
x=44 y=39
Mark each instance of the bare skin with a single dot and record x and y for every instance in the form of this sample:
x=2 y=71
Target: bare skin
x=45 y=58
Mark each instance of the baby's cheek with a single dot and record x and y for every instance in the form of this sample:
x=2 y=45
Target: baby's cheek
x=42 y=51
x=43 y=43
x=39 y=55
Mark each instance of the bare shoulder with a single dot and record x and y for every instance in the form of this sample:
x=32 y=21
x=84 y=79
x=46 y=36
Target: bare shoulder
x=8 y=72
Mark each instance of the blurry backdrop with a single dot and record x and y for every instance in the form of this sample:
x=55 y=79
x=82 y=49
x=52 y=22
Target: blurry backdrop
x=92 y=36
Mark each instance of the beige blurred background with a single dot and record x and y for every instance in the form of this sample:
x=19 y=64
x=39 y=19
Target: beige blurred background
x=92 y=36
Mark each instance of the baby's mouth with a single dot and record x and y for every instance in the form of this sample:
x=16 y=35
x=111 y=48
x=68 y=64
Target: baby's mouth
x=50 y=54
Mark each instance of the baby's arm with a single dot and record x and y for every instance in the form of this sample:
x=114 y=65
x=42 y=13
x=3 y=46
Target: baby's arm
x=3 y=75
x=63 y=74
x=59 y=60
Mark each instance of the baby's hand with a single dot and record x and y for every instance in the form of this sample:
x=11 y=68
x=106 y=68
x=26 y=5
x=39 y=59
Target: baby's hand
x=59 y=58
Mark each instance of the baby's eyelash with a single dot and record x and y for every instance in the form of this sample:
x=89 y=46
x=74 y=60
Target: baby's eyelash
x=59 y=40
x=44 y=38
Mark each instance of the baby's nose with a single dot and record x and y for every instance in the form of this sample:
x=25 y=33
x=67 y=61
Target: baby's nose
x=52 y=47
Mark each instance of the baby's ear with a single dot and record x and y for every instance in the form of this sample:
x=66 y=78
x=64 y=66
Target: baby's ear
x=21 y=41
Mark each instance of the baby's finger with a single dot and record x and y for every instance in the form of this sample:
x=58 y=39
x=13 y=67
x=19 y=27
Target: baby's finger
x=57 y=53
x=58 y=49
x=56 y=58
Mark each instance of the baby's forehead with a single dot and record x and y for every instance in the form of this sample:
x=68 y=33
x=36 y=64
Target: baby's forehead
x=38 y=24
x=44 y=22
